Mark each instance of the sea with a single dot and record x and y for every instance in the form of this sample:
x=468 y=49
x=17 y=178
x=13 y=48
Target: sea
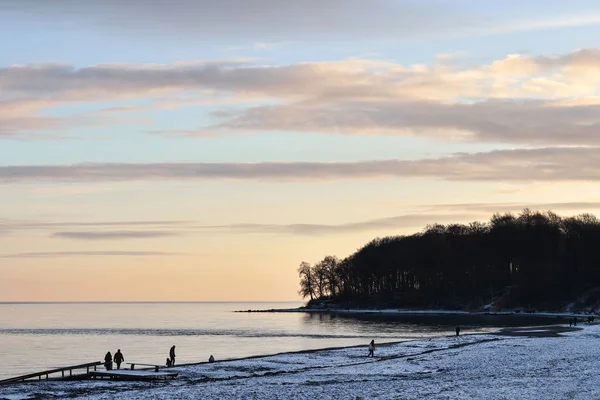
x=40 y=336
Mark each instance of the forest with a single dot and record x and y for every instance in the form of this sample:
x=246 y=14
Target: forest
x=534 y=260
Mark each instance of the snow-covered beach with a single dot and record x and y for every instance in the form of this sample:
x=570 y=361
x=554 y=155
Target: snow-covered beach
x=523 y=363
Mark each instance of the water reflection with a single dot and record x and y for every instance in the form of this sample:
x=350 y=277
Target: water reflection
x=405 y=325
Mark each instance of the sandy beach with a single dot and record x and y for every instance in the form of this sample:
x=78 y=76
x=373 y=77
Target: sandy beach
x=553 y=362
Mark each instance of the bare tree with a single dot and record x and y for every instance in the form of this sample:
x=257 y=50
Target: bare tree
x=330 y=266
x=319 y=271
x=307 y=288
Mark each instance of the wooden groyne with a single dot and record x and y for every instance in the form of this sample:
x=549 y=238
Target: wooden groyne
x=70 y=372
x=90 y=371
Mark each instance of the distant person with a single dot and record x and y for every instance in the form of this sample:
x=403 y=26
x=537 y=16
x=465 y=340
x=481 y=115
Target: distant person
x=119 y=358
x=108 y=361
x=168 y=362
x=457 y=330
x=575 y=321
x=172 y=355
x=211 y=359
x=570 y=321
x=371 y=349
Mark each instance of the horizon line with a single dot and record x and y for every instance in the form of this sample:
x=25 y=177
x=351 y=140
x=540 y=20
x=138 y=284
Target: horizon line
x=148 y=302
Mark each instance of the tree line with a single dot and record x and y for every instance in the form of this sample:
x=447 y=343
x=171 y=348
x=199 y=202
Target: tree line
x=533 y=259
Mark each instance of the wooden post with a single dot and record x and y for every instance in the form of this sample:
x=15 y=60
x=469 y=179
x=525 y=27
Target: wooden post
x=63 y=373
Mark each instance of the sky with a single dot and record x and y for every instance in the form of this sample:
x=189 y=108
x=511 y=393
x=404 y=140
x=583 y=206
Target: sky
x=192 y=150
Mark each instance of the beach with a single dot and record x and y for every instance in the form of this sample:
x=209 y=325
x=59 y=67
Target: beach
x=525 y=363
x=38 y=337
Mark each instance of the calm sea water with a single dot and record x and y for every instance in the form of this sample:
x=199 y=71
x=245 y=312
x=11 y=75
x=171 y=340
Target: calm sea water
x=35 y=336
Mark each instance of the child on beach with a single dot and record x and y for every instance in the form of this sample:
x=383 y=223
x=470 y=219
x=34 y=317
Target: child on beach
x=371 y=349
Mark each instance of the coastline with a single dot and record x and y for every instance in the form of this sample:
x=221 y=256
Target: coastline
x=449 y=367
x=408 y=312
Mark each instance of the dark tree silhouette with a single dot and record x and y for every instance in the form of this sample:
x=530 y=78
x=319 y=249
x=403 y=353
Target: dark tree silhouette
x=534 y=259
x=306 y=281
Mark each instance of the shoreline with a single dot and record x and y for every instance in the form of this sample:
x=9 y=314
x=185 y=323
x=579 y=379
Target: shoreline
x=529 y=331
x=407 y=312
x=444 y=365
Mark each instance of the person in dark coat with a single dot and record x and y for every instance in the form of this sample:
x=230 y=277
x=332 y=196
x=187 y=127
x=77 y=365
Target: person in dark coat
x=457 y=330
x=119 y=358
x=108 y=361
x=172 y=355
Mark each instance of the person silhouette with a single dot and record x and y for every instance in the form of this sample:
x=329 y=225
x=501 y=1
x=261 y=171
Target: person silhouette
x=108 y=361
x=119 y=358
x=371 y=349
x=457 y=330
x=172 y=355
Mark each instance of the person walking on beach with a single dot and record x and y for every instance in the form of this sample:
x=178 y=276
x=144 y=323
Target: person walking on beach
x=172 y=355
x=457 y=330
x=371 y=349
x=108 y=361
x=119 y=358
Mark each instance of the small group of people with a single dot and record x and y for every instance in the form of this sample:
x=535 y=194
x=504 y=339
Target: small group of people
x=573 y=321
x=118 y=359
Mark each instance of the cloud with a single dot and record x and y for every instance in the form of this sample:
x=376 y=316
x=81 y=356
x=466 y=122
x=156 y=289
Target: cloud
x=519 y=165
x=114 y=235
x=63 y=254
x=490 y=121
x=542 y=100
x=507 y=207
x=20 y=224
x=308 y=20
x=191 y=227
x=544 y=22
x=397 y=222
x=23 y=118
x=350 y=78
x=168 y=228
x=249 y=20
